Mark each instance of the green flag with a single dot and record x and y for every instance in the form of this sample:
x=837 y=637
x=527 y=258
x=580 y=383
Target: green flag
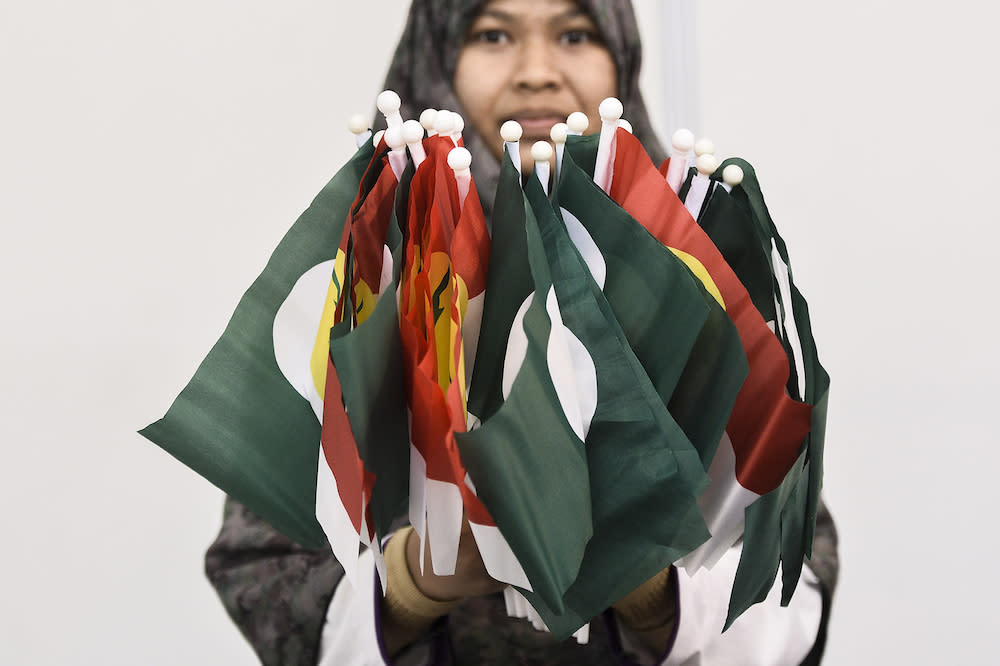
x=248 y=419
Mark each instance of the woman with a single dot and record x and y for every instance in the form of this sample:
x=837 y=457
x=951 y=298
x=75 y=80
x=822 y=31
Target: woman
x=535 y=62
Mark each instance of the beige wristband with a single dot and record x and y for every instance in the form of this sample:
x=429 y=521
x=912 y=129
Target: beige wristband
x=404 y=603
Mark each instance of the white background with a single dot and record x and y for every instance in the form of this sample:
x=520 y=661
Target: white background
x=152 y=155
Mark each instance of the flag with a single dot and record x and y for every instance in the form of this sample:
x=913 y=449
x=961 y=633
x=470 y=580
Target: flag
x=364 y=430
x=247 y=420
x=534 y=396
x=783 y=520
x=644 y=504
x=650 y=291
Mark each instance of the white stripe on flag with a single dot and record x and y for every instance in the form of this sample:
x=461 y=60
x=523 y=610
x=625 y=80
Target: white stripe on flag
x=444 y=525
x=294 y=331
x=418 y=497
x=572 y=370
x=791 y=330
x=499 y=559
x=587 y=248
x=335 y=521
x=722 y=504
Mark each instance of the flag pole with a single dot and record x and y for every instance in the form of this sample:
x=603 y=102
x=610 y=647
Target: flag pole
x=413 y=137
x=681 y=143
x=558 y=135
x=700 y=184
x=460 y=159
x=611 y=112
x=511 y=132
x=541 y=153
x=358 y=125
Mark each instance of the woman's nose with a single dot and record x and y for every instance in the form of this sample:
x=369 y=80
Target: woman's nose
x=537 y=67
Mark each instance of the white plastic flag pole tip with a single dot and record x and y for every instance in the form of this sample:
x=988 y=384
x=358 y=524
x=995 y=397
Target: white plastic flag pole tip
x=457 y=126
x=681 y=144
x=377 y=139
x=578 y=122
x=413 y=135
x=541 y=153
x=358 y=125
x=707 y=164
x=511 y=131
x=443 y=123
x=427 y=117
x=732 y=175
x=626 y=125
x=704 y=146
x=559 y=133
x=611 y=110
x=460 y=159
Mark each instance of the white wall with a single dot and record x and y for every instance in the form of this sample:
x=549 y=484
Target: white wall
x=873 y=127
x=151 y=155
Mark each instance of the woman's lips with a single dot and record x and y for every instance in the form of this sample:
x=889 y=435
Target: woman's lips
x=538 y=126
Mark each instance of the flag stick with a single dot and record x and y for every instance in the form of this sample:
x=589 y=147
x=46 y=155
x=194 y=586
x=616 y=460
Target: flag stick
x=397 y=156
x=427 y=117
x=358 y=125
x=700 y=184
x=732 y=176
x=443 y=123
x=457 y=125
x=541 y=153
x=558 y=135
x=626 y=125
x=460 y=159
x=611 y=112
x=577 y=122
x=511 y=132
x=388 y=104
x=413 y=135
x=682 y=142
x=377 y=139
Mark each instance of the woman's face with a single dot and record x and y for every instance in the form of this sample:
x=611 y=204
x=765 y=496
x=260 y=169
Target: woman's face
x=533 y=61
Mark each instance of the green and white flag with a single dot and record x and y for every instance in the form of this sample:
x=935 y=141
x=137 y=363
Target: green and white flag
x=248 y=419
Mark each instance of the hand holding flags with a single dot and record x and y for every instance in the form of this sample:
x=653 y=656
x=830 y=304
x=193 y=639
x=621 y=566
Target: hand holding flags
x=613 y=382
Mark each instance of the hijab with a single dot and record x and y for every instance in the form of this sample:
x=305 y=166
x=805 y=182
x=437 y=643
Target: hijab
x=423 y=68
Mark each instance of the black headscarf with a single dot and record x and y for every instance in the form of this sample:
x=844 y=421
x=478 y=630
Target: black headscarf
x=423 y=68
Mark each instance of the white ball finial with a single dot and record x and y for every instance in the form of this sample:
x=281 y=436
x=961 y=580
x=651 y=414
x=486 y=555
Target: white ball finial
x=427 y=119
x=732 y=175
x=707 y=164
x=578 y=122
x=388 y=102
x=625 y=125
x=377 y=139
x=412 y=131
x=394 y=137
x=541 y=151
x=704 y=146
x=457 y=123
x=559 y=132
x=358 y=124
x=682 y=140
x=611 y=109
x=443 y=122
x=511 y=131
x=459 y=159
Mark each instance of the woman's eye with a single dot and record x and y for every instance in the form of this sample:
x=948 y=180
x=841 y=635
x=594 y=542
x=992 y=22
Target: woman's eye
x=491 y=37
x=572 y=37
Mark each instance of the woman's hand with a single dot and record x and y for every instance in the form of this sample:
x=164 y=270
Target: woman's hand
x=470 y=579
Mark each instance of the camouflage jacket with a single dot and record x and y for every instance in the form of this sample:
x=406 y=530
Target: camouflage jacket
x=277 y=593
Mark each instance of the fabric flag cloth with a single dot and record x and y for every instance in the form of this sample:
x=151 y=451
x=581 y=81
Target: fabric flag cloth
x=247 y=420
x=644 y=502
x=783 y=521
x=447 y=251
x=364 y=430
x=532 y=428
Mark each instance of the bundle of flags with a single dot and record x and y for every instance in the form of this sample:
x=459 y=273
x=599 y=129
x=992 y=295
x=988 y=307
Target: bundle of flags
x=616 y=373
